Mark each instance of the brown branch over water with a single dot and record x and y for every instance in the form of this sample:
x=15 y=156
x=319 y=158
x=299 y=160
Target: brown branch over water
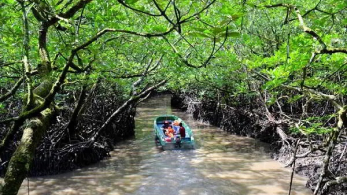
x=131 y=100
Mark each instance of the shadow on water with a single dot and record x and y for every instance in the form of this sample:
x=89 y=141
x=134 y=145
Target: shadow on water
x=220 y=164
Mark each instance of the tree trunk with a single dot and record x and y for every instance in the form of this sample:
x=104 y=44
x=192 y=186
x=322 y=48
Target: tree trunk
x=21 y=160
x=82 y=103
x=71 y=131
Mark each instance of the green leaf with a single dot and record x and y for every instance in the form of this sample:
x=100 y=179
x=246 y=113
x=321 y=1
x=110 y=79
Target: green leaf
x=224 y=22
x=218 y=30
x=198 y=34
x=159 y=28
x=131 y=1
x=199 y=29
x=10 y=1
x=236 y=16
x=233 y=34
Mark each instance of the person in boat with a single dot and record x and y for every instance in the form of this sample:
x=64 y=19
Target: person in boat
x=165 y=127
x=176 y=123
x=170 y=132
x=182 y=130
x=176 y=127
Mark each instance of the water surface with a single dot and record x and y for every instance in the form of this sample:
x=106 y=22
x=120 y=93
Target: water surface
x=220 y=164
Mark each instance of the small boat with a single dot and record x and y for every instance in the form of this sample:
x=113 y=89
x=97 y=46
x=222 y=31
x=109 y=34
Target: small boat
x=175 y=142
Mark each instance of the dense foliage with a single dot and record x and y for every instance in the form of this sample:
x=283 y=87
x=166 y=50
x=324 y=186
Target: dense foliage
x=287 y=56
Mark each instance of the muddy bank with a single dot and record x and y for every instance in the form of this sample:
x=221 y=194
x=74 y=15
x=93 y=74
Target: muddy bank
x=59 y=151
x=251 y=121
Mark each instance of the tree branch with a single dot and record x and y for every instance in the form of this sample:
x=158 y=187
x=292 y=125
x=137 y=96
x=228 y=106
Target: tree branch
x=209 y=58
x=104 y=31
x=131 y=100
x=137 y=10
x=48 y=99
x=162 y=12
x=12 y=91
x=74 y=9
x=3 y=64
x=199 y=12
x=324 y=49
x=26 y=65
x=308 y=30
x=337 y=180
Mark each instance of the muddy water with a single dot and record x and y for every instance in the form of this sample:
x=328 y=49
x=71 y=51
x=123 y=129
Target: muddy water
x=220 y=164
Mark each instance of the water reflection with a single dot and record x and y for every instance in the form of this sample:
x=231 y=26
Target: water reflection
x=220 y=164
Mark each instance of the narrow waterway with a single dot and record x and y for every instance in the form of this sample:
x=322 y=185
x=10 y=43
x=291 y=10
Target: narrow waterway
x=220 y=164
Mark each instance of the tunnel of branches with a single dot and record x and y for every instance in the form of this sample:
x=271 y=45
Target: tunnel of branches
x=72 y=73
